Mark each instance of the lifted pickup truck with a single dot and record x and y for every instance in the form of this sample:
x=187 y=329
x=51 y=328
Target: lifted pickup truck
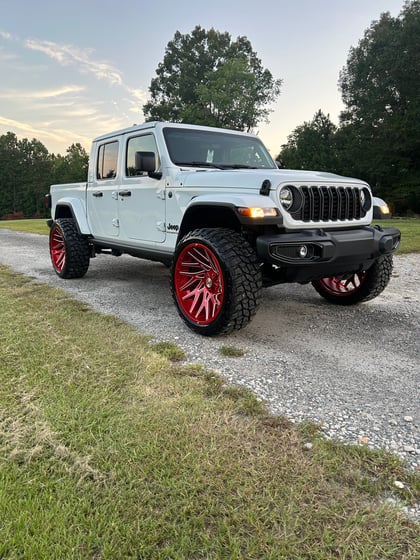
x=212 y=204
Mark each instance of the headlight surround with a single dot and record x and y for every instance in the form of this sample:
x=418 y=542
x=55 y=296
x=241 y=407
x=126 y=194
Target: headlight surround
x=286 y=197
x=365 y=199
x=290 y=198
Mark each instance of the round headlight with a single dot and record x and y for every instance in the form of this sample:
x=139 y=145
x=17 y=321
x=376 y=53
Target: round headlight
x=286 y=197
x=362 y=198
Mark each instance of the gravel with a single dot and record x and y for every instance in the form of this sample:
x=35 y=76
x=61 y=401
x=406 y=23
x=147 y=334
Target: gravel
x=355 y=371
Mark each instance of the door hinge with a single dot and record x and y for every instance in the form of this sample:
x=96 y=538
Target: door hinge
x=160 y=193
x=116 y=222
x=161 y=226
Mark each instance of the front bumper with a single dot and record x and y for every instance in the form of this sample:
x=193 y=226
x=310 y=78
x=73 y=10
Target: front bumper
x=308 y=255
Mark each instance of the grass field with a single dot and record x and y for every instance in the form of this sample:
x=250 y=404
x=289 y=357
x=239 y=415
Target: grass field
x=28 y=226
x=112 y=448
x=410 y=233
x=409 y=227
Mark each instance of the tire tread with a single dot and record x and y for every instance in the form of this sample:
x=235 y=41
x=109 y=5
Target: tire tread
x=77 y=250
x=245 y=279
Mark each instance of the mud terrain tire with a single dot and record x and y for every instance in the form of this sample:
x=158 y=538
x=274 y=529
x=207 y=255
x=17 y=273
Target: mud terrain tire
x=358 y=287
x=70 y=255
x=216 y=281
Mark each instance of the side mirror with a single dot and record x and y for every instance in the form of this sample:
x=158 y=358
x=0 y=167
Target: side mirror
x=145 y=161
x=280 y=164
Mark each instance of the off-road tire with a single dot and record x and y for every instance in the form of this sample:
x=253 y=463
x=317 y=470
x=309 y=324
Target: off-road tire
x=359 y=287
x=216 y=281
x=69 y=251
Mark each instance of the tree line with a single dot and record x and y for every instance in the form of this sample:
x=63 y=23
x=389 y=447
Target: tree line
x=207 y=78
x=378 y=136
x=27 y=170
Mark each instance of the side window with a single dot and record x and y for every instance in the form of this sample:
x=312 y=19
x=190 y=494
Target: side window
x=145 y=143
x=107 y=161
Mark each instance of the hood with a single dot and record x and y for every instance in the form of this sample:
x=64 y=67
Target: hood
x=253 y=178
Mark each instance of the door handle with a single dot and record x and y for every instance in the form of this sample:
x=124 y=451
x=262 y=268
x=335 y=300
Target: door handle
x=125 y=193
x=98 y=194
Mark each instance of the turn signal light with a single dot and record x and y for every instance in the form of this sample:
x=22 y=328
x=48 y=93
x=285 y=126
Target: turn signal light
x=258 y=212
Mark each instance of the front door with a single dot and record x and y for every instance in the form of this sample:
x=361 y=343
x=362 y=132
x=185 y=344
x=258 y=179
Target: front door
x=141 y=199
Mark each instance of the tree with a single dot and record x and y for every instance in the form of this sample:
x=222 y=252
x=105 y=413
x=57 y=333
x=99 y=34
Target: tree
x=206 y=78
x=9 y=173
x=311 y=145
x=380 y=87
x=25 y=174
x=71 y=168
x=27 y=170
x=35 y=175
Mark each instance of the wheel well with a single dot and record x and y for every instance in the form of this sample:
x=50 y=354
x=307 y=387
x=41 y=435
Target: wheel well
x=66 y=211
x=207 y=216
x=63 y=212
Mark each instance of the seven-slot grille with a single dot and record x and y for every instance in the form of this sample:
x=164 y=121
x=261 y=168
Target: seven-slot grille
x=328 y=204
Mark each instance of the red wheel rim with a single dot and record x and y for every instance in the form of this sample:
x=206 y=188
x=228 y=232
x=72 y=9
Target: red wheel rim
x=57 y=248
x=199 y=284
x=343 y=287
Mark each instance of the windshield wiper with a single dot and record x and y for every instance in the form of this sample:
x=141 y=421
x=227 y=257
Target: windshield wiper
x=199 y=164
x=238 y=166
x=216 y=165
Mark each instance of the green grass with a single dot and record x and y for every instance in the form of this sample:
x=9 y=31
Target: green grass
x=109 y=449
x=409 y=227
x=410 y=233
x=28 y=226
x=231 y=351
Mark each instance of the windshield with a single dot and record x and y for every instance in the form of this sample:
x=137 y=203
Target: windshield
x=207 y=148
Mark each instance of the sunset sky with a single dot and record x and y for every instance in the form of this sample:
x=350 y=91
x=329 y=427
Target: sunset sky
x=71 y=70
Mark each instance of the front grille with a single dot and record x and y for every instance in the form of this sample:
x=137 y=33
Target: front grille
x=330 y=203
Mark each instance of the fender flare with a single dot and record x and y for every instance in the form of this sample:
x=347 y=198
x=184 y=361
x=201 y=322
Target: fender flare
x=229 y=204
x=233 y=200
x=78 y=212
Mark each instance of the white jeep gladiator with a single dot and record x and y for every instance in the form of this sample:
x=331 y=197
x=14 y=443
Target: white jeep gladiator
x=212 y=204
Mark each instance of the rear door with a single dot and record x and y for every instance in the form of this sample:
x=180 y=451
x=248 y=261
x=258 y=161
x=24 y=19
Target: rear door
x=102 y=192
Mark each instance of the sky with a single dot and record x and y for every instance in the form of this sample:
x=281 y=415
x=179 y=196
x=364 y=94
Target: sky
x=71 y=70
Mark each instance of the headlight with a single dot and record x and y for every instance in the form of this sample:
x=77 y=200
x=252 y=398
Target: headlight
x=286 y=197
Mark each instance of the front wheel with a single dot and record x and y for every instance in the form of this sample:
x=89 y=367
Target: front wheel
x=216 y=281
x=69 y=251
x=357 y=287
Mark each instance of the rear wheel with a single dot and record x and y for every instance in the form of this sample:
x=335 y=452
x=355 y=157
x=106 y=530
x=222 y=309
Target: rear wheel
x=69 y=251
x=357 y=287
x=216 y=281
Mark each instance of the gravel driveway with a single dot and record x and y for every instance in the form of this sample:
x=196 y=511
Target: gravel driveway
x=353 y=370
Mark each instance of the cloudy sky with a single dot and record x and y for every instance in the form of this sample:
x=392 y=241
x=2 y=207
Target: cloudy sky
x=73 y=69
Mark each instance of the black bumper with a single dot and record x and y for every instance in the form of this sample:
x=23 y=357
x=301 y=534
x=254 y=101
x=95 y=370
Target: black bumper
x=307 y=255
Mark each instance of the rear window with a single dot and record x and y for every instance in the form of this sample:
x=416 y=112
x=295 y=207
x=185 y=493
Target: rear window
x=107 y=161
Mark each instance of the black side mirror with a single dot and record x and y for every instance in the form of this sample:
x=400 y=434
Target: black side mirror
x=145 y=161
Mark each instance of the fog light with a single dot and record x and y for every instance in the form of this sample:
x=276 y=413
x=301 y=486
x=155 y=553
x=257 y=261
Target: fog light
x=303 y=251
